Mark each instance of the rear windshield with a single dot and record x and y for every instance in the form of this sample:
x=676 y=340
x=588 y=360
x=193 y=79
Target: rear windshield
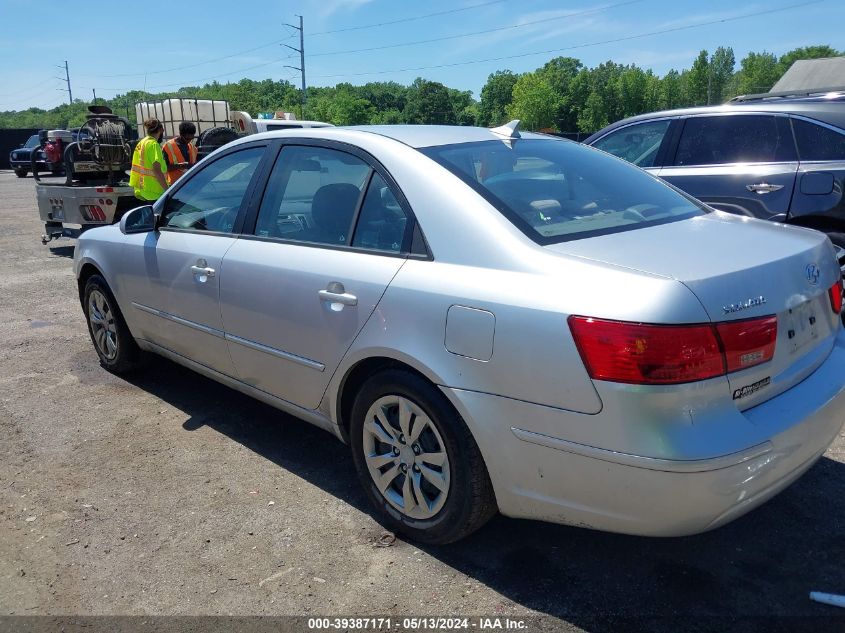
x=555 y=190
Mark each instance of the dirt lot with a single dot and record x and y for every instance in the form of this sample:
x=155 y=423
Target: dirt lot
x=169 y=494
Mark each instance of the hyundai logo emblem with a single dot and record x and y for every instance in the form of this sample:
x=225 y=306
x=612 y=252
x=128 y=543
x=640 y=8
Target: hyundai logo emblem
x=813 y=274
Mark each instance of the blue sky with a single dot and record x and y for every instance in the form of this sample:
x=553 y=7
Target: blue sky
x=190 y=42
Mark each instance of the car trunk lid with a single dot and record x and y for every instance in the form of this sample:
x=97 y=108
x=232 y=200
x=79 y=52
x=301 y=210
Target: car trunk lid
x=741 y=269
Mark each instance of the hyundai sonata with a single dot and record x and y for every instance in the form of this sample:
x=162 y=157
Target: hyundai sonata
x=493 y=320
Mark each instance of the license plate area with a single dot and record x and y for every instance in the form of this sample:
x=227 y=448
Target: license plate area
x=802 y=326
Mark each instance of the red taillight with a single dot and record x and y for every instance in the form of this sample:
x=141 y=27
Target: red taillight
x=639 y=353
x=748 y=343
x=835 y=293
x=619 y=351
x=104 y=189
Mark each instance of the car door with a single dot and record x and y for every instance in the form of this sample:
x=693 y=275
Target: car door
x=739 y=163
x=328 y=238
x=643 y=143
x=178 y=302
x=821 y=176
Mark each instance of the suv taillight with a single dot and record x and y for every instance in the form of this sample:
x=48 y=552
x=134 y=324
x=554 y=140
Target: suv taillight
x=835 y=293
x=637 y=353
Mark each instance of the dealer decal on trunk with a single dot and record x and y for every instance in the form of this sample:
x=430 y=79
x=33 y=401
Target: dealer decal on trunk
x=747 y=390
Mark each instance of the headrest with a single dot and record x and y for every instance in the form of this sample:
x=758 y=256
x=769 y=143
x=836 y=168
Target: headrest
x=333 y=207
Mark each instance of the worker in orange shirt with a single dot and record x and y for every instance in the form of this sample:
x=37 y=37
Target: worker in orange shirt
x=179 y=153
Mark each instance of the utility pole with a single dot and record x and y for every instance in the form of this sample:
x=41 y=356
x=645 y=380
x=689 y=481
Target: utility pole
x=301 y=51
x=94 y=90
x=67 y=78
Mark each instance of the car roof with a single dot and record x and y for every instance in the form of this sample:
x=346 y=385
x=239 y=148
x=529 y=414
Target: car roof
x=292 y=123
x=418 y=136
x=830 y=111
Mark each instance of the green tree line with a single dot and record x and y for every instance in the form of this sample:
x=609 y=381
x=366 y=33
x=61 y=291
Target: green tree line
x=562 y=95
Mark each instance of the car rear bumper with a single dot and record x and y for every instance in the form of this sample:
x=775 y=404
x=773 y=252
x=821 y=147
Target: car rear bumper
x=538 y=476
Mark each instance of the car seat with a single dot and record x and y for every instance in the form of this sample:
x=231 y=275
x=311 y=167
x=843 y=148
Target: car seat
x=331 y=211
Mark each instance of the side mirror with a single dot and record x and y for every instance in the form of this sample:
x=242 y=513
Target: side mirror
x=138 y=220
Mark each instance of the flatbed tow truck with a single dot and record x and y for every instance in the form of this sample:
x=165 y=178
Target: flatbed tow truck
x=95 y=191
x=97 y=159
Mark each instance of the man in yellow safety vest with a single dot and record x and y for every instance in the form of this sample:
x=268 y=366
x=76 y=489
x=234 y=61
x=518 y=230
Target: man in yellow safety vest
x=179 y=154
x=148 y=166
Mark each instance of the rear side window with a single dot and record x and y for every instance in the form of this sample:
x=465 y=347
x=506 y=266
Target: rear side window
x=636 y=143
x=381 y=223
x=718 y=140
x=312 y=195
x=816 y=142
x=555 y=190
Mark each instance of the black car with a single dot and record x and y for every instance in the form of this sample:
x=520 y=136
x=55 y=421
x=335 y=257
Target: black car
x=21 y=159
x=778 y=157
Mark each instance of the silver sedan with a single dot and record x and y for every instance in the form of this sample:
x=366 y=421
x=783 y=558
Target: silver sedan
x=492 y=320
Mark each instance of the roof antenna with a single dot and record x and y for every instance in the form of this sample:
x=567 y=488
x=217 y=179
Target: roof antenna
x=508 y=130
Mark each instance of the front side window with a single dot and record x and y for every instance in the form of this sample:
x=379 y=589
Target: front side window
x=555 y=190
x=312 y=195
x=211 y=199
x=636 y=143
x=816 y=142
x=719 y=140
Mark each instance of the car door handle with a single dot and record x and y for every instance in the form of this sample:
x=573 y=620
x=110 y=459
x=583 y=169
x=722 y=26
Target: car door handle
x=338 y=297
x=203 y=271
x=763 y=187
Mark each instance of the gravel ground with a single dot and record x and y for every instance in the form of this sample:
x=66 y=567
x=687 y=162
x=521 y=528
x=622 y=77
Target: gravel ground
x=168 y=494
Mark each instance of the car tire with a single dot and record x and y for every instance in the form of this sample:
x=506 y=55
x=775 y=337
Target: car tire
x=211 y=139
x=21 y=173
x=434 y=484
x=116 y=348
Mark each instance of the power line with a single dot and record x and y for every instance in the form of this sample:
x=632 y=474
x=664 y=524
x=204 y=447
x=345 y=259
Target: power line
x=212 y=78
x=493 y=30
x=35 y=96
x=577 y=46
x=411 y=19
x=210 y=61
x=268 y=44
x=17 y=92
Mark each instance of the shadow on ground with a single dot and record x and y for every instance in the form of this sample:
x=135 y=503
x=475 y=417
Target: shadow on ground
x=63 y=251
x=763 y=565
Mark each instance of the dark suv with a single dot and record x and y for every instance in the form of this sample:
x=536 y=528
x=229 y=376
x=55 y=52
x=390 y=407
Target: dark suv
x=776 y=157
x=21 y=159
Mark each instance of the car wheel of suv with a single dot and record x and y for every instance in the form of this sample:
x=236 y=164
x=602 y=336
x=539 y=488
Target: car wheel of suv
x=417 y=459
x=112 y=340
x=21 y=173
